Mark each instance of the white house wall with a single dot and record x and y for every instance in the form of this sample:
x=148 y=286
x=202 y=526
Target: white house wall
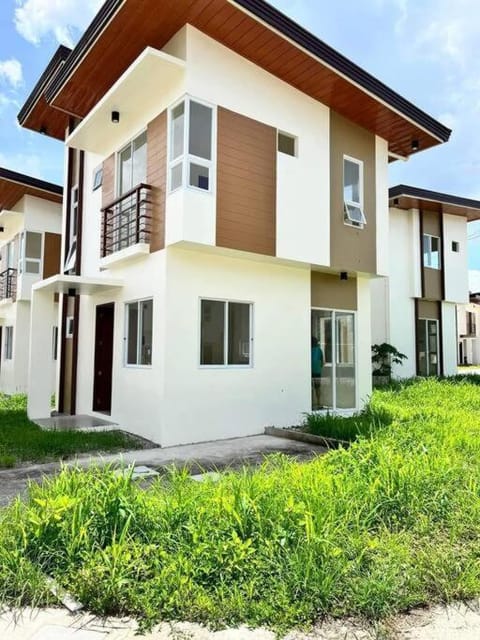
x=382 y=218
x=364 y=340
x=455 y=263
x=449 y=333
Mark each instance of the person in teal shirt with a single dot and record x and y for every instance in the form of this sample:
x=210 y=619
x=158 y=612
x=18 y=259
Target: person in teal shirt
x=317 y=367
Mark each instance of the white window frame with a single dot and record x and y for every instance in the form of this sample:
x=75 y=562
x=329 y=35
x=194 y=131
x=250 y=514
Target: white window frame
x=226 y=302
x=129 y=143
x=139 y=334
x=429 y=252
x=186 y=159
x=333 y=364
x=69 y=327
x=352 y=203
x=8 y=344
x=22 y=254
x=11 y=254
x=427 y=345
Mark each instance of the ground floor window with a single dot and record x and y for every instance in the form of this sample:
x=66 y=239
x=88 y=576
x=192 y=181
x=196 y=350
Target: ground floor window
x=139 y=333
x=225 y=333
x=333 y=360
x=8 y=343
x=54 y=342
x=428 y=347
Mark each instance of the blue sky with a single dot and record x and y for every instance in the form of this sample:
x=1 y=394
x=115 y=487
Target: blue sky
x=426 y=50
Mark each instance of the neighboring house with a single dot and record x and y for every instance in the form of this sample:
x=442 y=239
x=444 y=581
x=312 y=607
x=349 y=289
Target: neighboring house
x=30 y=240
x=468 y=323
x=414 y=309
x=226 y=207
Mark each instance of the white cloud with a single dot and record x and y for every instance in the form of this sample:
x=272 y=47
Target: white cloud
x=11 y=72
x=30 y=164
x=62 y=19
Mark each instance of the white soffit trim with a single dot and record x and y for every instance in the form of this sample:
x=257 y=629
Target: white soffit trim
x=83 y=285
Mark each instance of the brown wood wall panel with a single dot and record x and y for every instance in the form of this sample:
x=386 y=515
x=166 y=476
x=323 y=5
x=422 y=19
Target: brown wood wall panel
x=157 y=178
x=108 y=183
x=246 y=184
x=51 y=254
x=12 y=192
x=329 y=292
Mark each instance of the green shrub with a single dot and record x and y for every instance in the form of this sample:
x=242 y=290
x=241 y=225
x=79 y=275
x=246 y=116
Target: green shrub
x=391 y=522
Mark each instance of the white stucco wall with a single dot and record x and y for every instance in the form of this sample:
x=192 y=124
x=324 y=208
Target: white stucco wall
x=382 y=217
x=455 y=263
x=380 y=302
x=364 y=341
x=449 y=332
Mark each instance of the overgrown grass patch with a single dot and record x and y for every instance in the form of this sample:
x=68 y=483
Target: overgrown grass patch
x=23 y=441
x=391 y=522
x=345 y=428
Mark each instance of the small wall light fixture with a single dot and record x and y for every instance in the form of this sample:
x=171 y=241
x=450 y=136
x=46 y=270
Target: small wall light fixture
x=343 y=275
x=43 y=130
x=115 y=117
x=415 y=145
x=2 y=229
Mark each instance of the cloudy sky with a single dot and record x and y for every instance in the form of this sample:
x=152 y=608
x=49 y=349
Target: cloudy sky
x=427 y=50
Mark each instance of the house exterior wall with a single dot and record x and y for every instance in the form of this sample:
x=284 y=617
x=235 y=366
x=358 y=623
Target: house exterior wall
x=456 y=265
x=449 y=338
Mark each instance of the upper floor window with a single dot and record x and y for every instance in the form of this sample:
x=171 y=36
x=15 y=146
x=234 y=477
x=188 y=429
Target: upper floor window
x=287 y=144
x=455 y=247
x=353 y=192
x=8 y=343
x=11 y=254
x=71 y=258
x=30 y=253
x=431 y=251
x=191 y=145
x=132 y=164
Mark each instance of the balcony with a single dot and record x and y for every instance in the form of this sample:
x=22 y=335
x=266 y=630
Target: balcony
x=8 y=285
x=126 y=226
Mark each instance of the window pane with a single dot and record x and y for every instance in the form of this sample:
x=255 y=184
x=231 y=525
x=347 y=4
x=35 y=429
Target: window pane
x=125 y=170
x=132 y=337
x=435 y=254
x=426 y=250
x=238 y=333
x=199 y=176
x=139 y=159
x=351 y=182
x=200 y=137
x=178 y=131
x=212 y=340
x=176 y=177
x=32 y=266
x=345 y=370
x=33 y=245
x=287 y=144
x=321 y=359
x=147 y=329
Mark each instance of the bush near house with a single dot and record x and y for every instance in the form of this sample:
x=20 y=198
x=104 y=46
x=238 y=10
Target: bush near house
x=391 y=522
x=23 y=441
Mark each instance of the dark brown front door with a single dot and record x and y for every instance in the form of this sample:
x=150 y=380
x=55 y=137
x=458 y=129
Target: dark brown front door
x=102 y=381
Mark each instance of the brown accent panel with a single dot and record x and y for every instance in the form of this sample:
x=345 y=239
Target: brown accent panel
x=246 y=184
x=51 y=254
x=329 y=292
x=108 y=182
x=157 y=178
x=81 y=180
x=433 y=283
x=428 y=309
x=352 y=249
x=432 y=223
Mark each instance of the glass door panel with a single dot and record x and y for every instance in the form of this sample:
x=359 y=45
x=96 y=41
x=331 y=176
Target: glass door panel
x=322 y=360
x=345 y=378
x=427 y=347
x=433 y=347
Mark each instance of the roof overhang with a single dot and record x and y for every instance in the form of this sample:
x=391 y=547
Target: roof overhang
x=80 y=285
x=252 y=28
x=150 y=76
x=13 y=186
x=407 y=197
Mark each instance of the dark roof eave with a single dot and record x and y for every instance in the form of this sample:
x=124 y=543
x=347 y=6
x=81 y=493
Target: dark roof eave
x=435 y=196
x=29 y=181
x=53 y=68
x=290 y=29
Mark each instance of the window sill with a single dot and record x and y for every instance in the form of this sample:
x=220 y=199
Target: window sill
x=125 y=255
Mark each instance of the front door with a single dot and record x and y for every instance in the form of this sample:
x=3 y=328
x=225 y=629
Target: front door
x=428 y=347
x=102 y=375
x=333 y=360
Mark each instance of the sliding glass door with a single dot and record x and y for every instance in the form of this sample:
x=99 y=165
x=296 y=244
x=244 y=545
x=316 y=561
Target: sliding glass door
x=333 y=360
x=427 y=345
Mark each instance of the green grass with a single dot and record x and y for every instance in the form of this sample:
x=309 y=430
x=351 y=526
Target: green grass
x=22 y=441
x=346 y=428
x=389 y=523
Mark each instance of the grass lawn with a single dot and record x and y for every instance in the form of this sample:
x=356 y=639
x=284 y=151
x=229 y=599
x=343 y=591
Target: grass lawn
x=22 y=441
x=391 y=522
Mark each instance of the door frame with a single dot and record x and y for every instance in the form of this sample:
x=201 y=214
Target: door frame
x=97 y=308
x=354 y=312
x=427 y=346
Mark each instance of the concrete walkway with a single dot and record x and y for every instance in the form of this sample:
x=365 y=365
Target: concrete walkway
x=456 y=622
x=199 y=457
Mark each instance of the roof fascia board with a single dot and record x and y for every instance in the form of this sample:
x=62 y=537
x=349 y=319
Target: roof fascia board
x=432 y=196
x=29 y=181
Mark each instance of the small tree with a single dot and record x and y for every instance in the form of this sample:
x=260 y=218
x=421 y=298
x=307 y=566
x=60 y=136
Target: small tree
x=383 y=357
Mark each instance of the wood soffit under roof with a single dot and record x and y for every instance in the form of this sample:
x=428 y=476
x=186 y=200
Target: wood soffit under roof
x=405 y=197
x=13 y=186
x=105 y=52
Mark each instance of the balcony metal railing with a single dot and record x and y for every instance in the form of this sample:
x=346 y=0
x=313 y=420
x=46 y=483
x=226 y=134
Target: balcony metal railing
x=8 y=284
x=127 y=220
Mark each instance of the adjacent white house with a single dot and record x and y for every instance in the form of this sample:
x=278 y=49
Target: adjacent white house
x=415 y=308
x=468 y=324
x=226 y=210
x=30 y=240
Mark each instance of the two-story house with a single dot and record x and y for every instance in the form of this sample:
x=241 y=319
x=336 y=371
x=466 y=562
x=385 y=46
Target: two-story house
x=226 y=208
x=468 y=329
x=415 y=307
x=30 y=241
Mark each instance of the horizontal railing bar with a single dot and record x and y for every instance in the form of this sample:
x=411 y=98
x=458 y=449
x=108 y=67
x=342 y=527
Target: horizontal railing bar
x=126 y=195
